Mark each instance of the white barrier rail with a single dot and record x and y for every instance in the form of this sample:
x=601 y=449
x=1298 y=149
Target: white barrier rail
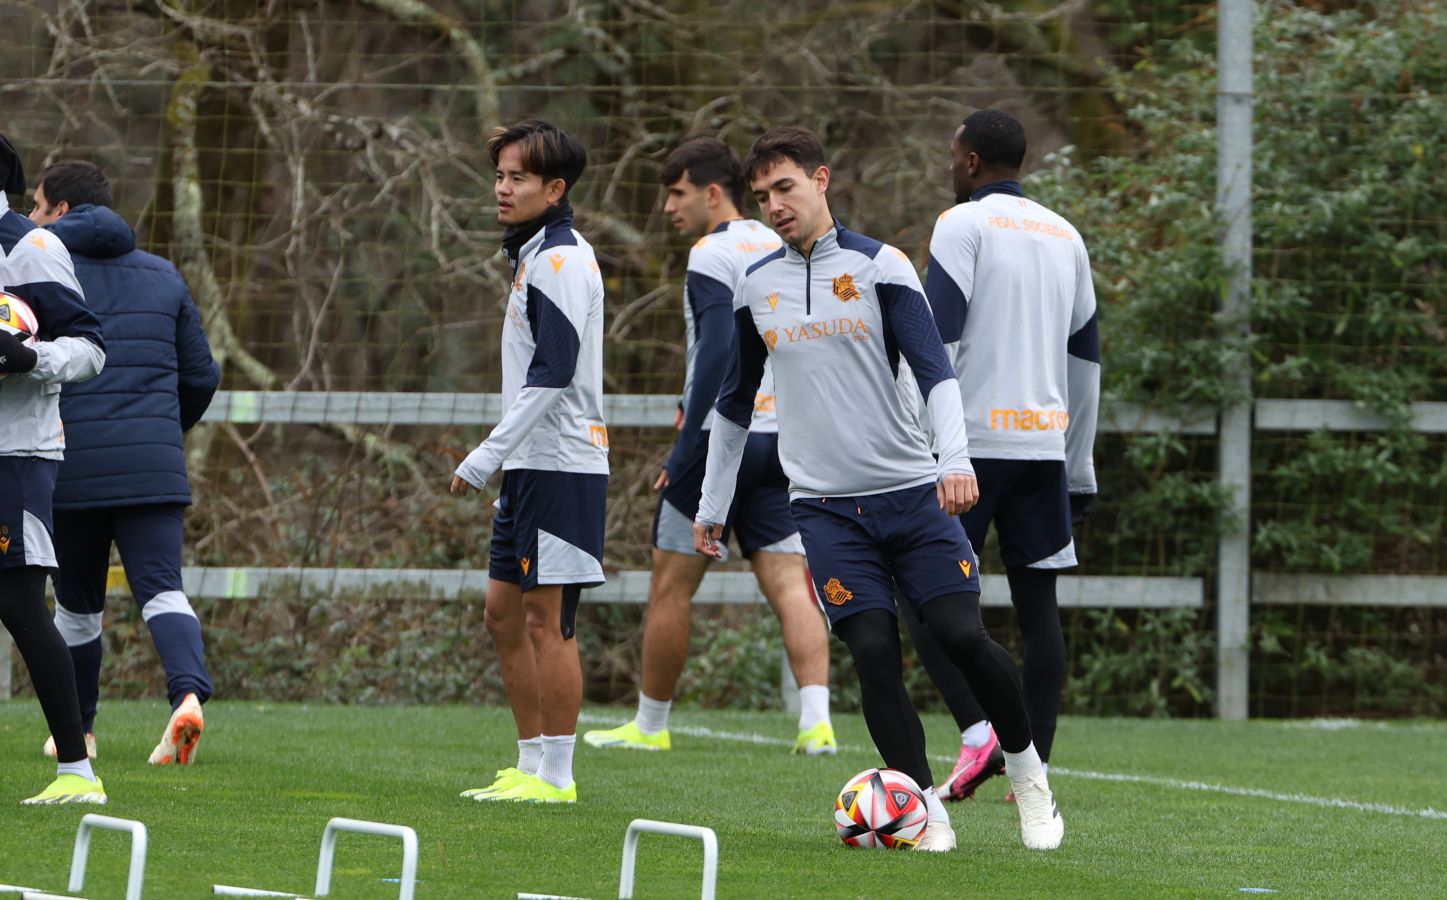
x=630 y=586
x=657 y=410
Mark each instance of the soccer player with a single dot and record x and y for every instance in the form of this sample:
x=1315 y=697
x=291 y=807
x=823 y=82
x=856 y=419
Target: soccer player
x=834 y=312
x=124 y=481
x=705 y=189
x=552 y=445
x=1009 y=284
x=35 y=267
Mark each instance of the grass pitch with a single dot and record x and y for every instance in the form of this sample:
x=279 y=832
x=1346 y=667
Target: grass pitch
x=1152 y=809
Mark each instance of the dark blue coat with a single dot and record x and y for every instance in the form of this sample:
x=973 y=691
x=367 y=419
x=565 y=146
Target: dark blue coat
x=123 y=428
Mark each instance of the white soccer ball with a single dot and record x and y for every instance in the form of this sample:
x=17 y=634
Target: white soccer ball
x=17 y=317
x=880 y=809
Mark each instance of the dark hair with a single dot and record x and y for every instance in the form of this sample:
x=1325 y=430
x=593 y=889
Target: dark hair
x=997 y=137
x=784 y=142
x=76 y=182
x=12 y=171
x=548 y=151
x=707 y=161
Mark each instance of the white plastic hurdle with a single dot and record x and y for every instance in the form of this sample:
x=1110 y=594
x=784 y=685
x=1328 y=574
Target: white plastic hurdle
x=135 y=879
x=335 y=828
x=357 y=826
x=638 y=827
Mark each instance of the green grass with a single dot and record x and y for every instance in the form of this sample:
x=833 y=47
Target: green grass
x=252 y=810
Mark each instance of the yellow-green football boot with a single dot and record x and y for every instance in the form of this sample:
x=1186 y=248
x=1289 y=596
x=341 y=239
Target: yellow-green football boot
x=69 y=789
x=628 y=737
x=533 y=789
x=817 y=741
x=506 y=778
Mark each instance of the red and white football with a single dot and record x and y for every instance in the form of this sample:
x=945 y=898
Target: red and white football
x=880 y=808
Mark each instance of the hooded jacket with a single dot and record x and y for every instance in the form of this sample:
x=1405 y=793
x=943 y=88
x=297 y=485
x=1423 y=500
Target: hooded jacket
x=123 y=428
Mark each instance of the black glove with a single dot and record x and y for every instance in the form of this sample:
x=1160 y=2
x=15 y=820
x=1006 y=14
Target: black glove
x=1080 y=507
x=15 y=356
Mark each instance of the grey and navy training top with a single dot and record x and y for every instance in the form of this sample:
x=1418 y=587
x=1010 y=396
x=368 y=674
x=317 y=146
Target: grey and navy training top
x=836 y=326
x=36 y=267
x=1009 y=283
x=552 y=363
x=715 y=264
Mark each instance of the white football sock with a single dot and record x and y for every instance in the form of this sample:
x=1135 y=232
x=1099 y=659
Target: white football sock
x=557 y=765
x=530 y=754
x=813 y=705
x=80 y=767
x=652 y=714
x=1024 y=765
x=977 y=735
x=937 y=812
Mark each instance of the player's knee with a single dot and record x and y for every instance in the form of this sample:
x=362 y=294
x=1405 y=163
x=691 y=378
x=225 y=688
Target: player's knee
x=873 y=649
x=77 y=628
x=504 y=625
x=956 y=625
x=541 y=619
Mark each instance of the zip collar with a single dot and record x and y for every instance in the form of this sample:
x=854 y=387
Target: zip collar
x=998 y=187
x=827 y=243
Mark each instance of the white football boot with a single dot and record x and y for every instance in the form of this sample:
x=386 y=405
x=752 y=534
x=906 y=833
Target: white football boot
x=1041 y=827
x=938 y=837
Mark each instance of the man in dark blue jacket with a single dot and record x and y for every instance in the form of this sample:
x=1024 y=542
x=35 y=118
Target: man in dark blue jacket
x=124 y=476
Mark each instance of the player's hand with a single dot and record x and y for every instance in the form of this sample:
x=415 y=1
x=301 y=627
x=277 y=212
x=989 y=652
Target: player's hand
x=461 y=486
x=706 y=539
x=678 y=418
x=15 y=357
x=662 y=481
x=957 y=492
x=1080 y=507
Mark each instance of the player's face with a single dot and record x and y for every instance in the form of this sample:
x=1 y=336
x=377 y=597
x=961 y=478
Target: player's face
x=521 y=195
x=792 y=201
x=43 y=212
x=687 y=206
x=964 y=165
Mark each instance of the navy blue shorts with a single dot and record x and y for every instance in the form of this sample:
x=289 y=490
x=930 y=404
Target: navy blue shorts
x=858 y=547
x=149 y=538
x=26 y=528
x=549 y=529
x=1029 y=503
x=759 y=517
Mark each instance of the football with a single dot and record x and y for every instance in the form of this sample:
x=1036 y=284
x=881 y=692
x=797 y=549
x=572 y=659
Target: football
x=17 y=317
x=881 y=809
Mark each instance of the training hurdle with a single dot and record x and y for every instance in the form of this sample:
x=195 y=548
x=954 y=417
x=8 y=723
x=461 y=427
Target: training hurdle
x=81 y=855
x=638 y=827
x=334 y=830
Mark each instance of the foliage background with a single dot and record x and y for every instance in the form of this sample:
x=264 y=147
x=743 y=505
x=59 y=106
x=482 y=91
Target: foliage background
x=316 y=169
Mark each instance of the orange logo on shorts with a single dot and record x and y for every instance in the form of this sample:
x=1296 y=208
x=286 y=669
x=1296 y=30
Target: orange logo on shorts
x=4 y=538
x=836 y=593
x=526 y=563
x=965 y=567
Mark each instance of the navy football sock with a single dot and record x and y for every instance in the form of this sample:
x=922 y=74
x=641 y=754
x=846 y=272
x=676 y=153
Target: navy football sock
x=178 y=643
x=86 y=659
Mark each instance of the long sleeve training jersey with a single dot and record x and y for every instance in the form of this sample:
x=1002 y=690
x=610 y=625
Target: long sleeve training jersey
x=552 y=363
x=715 y=264
x=835 y=325
x=1009 y=283
x=36 y=267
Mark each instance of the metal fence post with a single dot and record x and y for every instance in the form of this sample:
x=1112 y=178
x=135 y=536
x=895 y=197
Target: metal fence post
x=1233 y=206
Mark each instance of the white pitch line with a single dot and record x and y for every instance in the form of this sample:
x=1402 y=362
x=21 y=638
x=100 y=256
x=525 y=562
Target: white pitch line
x=1155 y=780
